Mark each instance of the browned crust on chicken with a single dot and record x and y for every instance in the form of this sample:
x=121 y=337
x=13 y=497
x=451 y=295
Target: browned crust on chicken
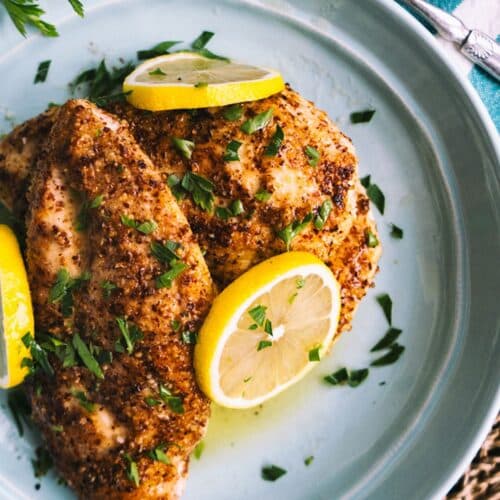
x=91 y=153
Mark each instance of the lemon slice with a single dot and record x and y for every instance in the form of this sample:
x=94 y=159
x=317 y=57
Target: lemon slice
x=16 y=314
x=186 y=80
x=267 y=329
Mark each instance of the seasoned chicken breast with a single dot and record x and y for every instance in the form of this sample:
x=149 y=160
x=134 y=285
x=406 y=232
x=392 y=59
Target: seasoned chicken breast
x=116 y=277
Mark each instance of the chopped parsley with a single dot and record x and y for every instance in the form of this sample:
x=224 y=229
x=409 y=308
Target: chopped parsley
x=300 y=283
x=146 y=227
x=258 y=314
x=174 y=402
x=189 y=337
x=174 y=183
x=199 y=44
x=39 y=358
x=314 y=354
x=353 y=378
x=83 y=400
x=42 y=463
x=236 y=208
x=233 y=113
x=165 y=252
x=308 y=460
x=292 y=298
x=175 y=324
x=25 y=14
x=258 y=122
x=386 y=304
x=108 y=287
x=273 y=147
x=323 y=214
x=272 y=472
x=42 y=72
x=387 y=340
x=395 y=352
x=159 y=49
x=262 y=195
x=20 y=408
x=57 y=428
x=362 y=116
x=201 y=190
x=288 y=233
x=159 y=454
x=184 y=146
x=263 y=344
x=157 y=72
x=268 y=327
x=313 y=155
x=371 y=239
x=132 y=471
x=83 y=216
x=166 y=279
x=77 y=7
x=374 y=193
x=396 y=232
x=150 y=401
x=131 y=334
x=86 y=356
x=231 y=153
x=198 y=450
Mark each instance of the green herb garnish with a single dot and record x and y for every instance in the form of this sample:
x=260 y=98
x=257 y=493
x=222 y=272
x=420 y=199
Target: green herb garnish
x=166 y=279
x=131 y=333
x=323 y=214
x=314 y=354
x=396 y=232
x=160 y=49
x=366 y=181
x=107 y=288
x=200 y=85
x=189 y=337
x=83 y=400
x=184 y=146
x=263 y=344
x=386 y=303
x=288 y=233
x=308 y=460
x=174 y=183
x=356 y=377
x=300 y=283
x=175 y=324
x=159 y=454
x=362 y=116
x=274 y=146
x=313 y=155
x=174 y=402
x=86 y=356
x=351 y=377
x=374 y=193
x=57 y=428
x=42 y=72
x=132 y=471
x=150 y=401
x=199 y=44
x=262 y=195
x=272 y=472
x=165 y=252
x=231 y=153
x=339 y=377
x=258 y=122
x=62 y=290
x=38 y=355
x=387 y=340
x=198 y=450
x=236 y=208
x=83 y=216
x=233 y=113
x=391 y=357
x=23 y=14
x=20 y=408
x=201 y=190
x=268 y=327
x=258 y=314
x=42 y=463
x=292 y=298
x=146 y=227
x=157 y=72
x=371 y=239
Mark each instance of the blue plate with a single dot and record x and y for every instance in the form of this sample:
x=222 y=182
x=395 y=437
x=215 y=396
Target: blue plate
x=411 y=428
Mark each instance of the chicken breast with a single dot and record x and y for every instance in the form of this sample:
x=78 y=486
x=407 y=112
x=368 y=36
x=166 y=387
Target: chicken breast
x=116 y=277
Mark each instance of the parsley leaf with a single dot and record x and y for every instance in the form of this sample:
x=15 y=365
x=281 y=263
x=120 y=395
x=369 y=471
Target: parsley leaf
x=198 y=450
x=23 y=13
x=371 y=239
x=362 y=116
x=176 y=269
x=83 y=215
x=314 y=354
x=202 y=40
x=313 y=155
x=159 y=454
x=20 y=408
x=387 y=340
x=341 y=376
x=38 y=355
x=86 y=356
x=189 y=337
x=262 y=195
x=233 y=113
x=395 y=352
x=130 y=333
x=165 y=252
x=323 y=214
x=42 y=72
x=146 y=227
x=288 y=233
x=308 y=460
x=258 y=122
x=396 y=232
x=274 y=146
x=159 y=49
x=236 y=208
x=107 y=288
x=386 y=304
x=184 y=146
x=263 y=344
x=366 y=181
x=356 y=377
x=374 y=193
x=200 y=188
x=174 y=183
x=77 y=7
x=132 y=471
x=231 y=153
x=83 y=400
x=157 y=72
x=174 y=402
x=42 y=463
x=272 y=473
x=258 y=314
x=352 y=377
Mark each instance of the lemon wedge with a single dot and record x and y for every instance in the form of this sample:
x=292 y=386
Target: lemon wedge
x=16 y=314
x=267 y=329
x=187 y=80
